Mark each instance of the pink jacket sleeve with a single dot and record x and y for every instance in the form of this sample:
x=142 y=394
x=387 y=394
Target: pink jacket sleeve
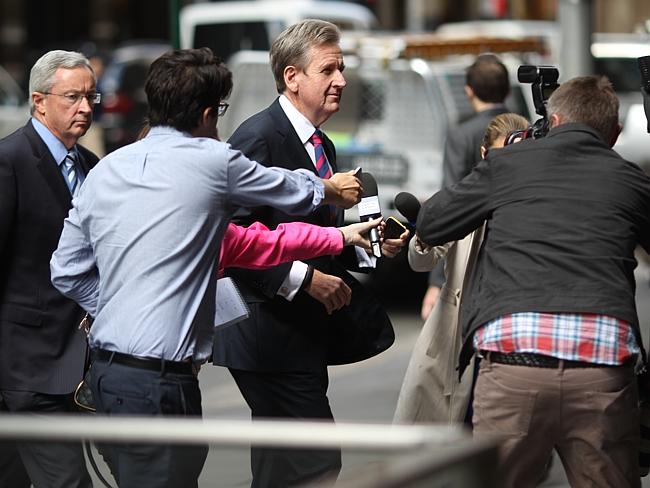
x=257 y=247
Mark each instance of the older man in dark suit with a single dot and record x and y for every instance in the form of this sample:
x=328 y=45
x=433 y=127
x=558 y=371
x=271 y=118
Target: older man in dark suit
x=304 y=316
x=42 y=352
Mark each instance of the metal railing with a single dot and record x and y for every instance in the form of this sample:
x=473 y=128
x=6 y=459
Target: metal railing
x=432 y=456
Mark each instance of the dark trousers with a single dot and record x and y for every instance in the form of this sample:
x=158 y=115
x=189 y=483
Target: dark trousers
x=293 y=396
x=126 y=390
x=48 y=464
x=12 y=469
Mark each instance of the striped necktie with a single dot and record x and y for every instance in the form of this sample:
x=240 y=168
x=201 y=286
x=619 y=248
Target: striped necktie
x=322 y=166
x=70 y=171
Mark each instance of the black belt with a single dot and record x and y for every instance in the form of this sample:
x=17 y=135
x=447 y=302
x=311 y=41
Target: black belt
x=533 y=360
x=152 y=364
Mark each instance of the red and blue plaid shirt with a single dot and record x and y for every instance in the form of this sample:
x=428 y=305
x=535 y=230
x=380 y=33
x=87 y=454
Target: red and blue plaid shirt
x=590 y=338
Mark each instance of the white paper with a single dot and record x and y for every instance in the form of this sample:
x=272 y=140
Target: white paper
x=369 y=206
x=230 y=306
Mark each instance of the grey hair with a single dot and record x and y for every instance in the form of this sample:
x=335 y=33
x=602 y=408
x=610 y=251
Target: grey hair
x=41 y=76
x=587 y=99
x=292 y=46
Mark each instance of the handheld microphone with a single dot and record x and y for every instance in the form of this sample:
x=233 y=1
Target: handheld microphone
x=408 y=206
x=644 y=69
x=369 y=209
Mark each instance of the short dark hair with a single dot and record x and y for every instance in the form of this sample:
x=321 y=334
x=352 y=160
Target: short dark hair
x=590 y=100
x=488 y=79
x=181 y=84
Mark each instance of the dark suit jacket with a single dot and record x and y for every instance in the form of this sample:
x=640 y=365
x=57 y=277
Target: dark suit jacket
x=298 y=335
x=564 y=214
x=463 y=146
x=41 y=348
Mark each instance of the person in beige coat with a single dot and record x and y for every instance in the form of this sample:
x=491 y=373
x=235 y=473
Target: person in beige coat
x=431 y=390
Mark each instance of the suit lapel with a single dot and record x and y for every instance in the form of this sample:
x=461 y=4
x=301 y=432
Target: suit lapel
x=48 y=168
x=296 y=155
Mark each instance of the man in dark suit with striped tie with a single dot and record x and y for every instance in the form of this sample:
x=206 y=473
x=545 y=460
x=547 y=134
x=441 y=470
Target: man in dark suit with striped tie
x=304 y=315
x=42 y=352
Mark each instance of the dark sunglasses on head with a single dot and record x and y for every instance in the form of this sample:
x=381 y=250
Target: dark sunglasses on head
x=518 y=135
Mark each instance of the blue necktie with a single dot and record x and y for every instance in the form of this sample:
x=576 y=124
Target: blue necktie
x=70 y=171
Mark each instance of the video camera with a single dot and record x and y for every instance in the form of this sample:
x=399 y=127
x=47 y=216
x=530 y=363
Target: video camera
x=544 y=82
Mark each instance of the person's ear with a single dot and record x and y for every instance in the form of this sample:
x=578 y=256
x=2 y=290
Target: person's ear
x=554 y=120
x=615 y=133
x=484 y=152
x=207 y=126
x=291 y=78
x=469 y=93
x=208 y=115
x=38 y=99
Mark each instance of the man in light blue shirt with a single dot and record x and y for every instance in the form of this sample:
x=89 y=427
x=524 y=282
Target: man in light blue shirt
x=139 y=252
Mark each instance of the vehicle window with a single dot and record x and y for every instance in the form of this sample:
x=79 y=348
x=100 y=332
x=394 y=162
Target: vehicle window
x=622 y=72
x=227 y=39
x=516 y=102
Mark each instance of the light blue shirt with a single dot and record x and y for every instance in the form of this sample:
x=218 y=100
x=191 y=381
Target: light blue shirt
x=140 y=246
x=57 y=149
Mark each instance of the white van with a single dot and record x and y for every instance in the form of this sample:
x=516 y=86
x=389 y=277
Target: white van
x=228 y=27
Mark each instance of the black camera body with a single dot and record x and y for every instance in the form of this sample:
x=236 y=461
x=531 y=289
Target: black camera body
x=544 y=83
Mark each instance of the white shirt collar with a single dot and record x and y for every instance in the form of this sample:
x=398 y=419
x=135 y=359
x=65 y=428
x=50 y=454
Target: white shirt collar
x=303 y=127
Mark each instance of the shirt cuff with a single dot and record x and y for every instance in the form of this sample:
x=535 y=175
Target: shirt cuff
x=292 y=283
x=319 y=187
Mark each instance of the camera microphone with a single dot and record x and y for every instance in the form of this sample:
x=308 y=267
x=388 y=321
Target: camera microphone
x=408 y=206
x=644 y=69
x=369 y=209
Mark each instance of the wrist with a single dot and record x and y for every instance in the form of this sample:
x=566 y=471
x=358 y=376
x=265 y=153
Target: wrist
x=308 y=277
x=343 y=237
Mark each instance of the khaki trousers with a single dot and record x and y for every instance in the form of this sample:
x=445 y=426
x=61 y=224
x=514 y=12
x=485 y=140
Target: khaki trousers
x=588 y=415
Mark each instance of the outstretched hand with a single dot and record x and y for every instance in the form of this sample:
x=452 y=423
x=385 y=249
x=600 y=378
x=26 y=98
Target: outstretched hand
x=343 y=189
x=391 y=247
x=357 y=234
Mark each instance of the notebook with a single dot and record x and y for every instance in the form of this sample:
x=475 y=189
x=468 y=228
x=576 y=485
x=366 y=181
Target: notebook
x=230 y=306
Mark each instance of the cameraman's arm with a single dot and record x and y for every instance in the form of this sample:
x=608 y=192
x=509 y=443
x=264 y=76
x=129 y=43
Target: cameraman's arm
x=454 y=212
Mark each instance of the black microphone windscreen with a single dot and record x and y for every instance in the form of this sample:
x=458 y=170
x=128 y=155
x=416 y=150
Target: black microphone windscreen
x=644 y=68
x=407 y=205
x=369 y=185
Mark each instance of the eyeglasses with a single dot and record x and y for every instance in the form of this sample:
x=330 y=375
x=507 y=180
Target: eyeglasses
x=74 y=98
x=518 y=135
x=221 y=108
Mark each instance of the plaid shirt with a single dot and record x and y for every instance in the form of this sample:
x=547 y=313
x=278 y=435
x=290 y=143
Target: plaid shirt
x=590 y=338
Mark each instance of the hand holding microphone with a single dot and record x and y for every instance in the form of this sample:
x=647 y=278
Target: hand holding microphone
x=369 y=209
x=357 y=234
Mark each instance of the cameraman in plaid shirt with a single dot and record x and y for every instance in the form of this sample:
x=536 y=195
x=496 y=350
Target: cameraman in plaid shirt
x=551 y=306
